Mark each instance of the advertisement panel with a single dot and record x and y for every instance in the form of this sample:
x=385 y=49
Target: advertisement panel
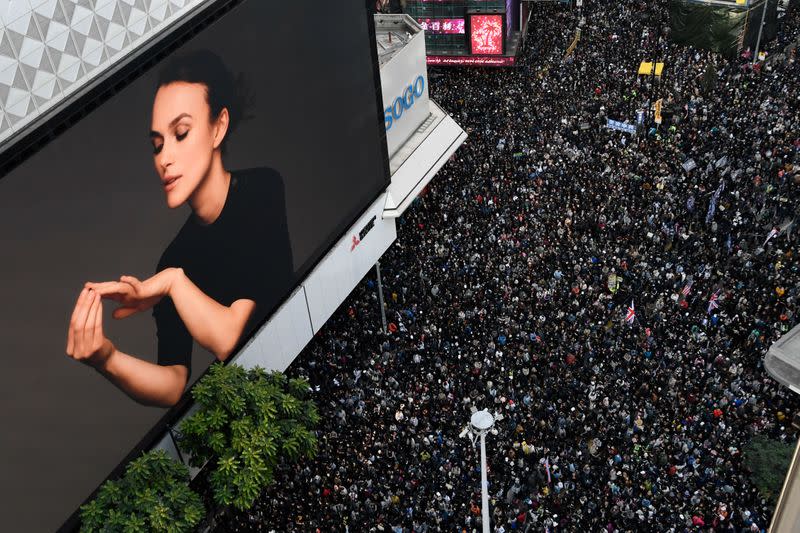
x=486 y=34
x=155 y=234
x=453 y=26
x=477 y=61
x=404 y=84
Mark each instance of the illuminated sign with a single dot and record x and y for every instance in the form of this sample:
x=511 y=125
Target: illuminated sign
x=443 y=25
x=477 y=61
x=486 y=34
x=413 y=91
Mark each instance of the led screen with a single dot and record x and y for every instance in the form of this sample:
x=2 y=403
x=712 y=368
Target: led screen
x=478 y=61
x=442 y=25
x=158 y=232
x=486 y=34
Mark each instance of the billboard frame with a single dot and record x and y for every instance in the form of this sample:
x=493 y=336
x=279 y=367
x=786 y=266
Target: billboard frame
x=500 y=13
x=75 y=107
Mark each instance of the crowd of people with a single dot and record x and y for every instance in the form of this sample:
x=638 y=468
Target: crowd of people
x=608 y=296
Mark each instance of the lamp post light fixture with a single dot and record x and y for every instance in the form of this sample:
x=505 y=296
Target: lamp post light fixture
x=480 y=423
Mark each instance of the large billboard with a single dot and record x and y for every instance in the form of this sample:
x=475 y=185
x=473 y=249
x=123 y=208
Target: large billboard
x=157 y=233
x=486 y=33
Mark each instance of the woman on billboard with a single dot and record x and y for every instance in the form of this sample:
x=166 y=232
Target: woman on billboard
x=227 y=266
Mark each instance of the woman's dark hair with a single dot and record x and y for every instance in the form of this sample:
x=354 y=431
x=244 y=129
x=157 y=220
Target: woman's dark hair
x=223 y=90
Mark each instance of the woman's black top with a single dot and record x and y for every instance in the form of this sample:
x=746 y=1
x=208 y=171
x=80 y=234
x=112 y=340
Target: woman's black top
x=244 y=254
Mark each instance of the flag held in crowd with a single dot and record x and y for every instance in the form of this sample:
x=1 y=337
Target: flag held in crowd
x=713 y=302
x=770 y=235
x=712 y=206
x=631 y=315
x=687 y=288
x=547 y=469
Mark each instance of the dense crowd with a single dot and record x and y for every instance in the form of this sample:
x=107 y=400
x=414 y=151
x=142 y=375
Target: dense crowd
x=609 y=296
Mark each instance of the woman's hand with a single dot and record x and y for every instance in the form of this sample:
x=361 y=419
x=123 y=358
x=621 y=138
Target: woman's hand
x=85 y=339
x=134 y=295
x=145 y=382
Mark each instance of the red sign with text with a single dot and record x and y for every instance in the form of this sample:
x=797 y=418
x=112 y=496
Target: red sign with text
x=476 y=61
x=486 y=34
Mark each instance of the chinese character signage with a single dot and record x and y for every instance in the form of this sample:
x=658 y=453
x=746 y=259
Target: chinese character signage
x=442 y=25
x=621 y=126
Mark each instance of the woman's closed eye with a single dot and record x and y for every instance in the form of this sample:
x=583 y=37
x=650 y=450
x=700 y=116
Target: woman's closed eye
x=179 y=136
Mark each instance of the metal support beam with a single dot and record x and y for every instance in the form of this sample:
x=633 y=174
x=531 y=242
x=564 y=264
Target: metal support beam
x=380 y=296
x=484 y=486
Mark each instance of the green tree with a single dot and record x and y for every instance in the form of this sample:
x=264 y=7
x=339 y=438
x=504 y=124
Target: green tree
x=709 y=80
x=768 y=462
x=247 y=421
x=153 y=495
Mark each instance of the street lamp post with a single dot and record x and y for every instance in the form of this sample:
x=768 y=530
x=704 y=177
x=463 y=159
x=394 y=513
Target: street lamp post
x=764 y=7
x=380 y=296
x=480 y=423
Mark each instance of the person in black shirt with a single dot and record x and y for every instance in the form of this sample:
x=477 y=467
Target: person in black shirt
x=251 y=259
x=230 y=262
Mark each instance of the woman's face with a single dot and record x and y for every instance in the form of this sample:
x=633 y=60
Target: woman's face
x=184 y=139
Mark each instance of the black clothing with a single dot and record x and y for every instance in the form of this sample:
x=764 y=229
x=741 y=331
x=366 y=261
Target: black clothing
x=244 y=254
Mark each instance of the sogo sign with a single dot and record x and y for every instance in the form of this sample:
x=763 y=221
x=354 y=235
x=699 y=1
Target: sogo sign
x=403 y=102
